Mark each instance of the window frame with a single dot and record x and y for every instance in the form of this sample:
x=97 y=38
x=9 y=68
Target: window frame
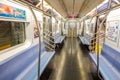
x=9 y=53
x=23 y=32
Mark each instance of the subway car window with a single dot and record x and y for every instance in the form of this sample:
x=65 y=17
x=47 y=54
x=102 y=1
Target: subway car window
x=11 y=34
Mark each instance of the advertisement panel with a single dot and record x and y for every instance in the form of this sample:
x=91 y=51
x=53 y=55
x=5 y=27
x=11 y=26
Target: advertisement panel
x=113 y=30
x=11 y=12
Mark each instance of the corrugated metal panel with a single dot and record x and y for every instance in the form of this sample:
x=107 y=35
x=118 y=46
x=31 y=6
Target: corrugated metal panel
x=74 y=7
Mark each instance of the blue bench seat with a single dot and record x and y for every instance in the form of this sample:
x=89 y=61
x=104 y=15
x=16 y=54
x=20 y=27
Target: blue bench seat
x=109 y=63
x=45 y=59
x=84 y=40
x=24 y=66
x=58 y=38
x=62 y=38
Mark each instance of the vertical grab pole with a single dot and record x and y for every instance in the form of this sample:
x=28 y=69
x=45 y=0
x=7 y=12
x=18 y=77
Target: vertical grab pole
x=42 y=5
x=91 y=42
x=39 y=45
x=109 y=5
x=98 y=45
x=39 y=51
x=72 y=41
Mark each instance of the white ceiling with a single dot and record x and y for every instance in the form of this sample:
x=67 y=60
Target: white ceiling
x=69 y=7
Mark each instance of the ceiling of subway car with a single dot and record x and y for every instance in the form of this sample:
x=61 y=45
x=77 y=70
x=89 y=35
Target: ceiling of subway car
x=73 y=8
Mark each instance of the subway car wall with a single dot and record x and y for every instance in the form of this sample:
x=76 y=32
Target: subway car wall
x=22 y=54
x=113 y=29
x=18 y=56
x=19 y=38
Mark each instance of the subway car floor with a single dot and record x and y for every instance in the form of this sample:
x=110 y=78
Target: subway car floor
x=72 y=62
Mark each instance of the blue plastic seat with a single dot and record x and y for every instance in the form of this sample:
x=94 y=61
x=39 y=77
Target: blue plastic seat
x=86 y=39
x=109 y=63
x=24 y=65
x=58 y=38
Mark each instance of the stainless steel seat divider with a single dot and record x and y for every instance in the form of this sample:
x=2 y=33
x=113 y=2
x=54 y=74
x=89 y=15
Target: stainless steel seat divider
x=48 y=39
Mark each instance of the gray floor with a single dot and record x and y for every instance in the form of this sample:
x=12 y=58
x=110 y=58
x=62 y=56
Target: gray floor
x=72 y=62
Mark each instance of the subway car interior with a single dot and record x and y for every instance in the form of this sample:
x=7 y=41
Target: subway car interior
x=59 y=40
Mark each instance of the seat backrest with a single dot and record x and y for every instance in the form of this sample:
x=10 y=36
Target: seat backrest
x=112 y=56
